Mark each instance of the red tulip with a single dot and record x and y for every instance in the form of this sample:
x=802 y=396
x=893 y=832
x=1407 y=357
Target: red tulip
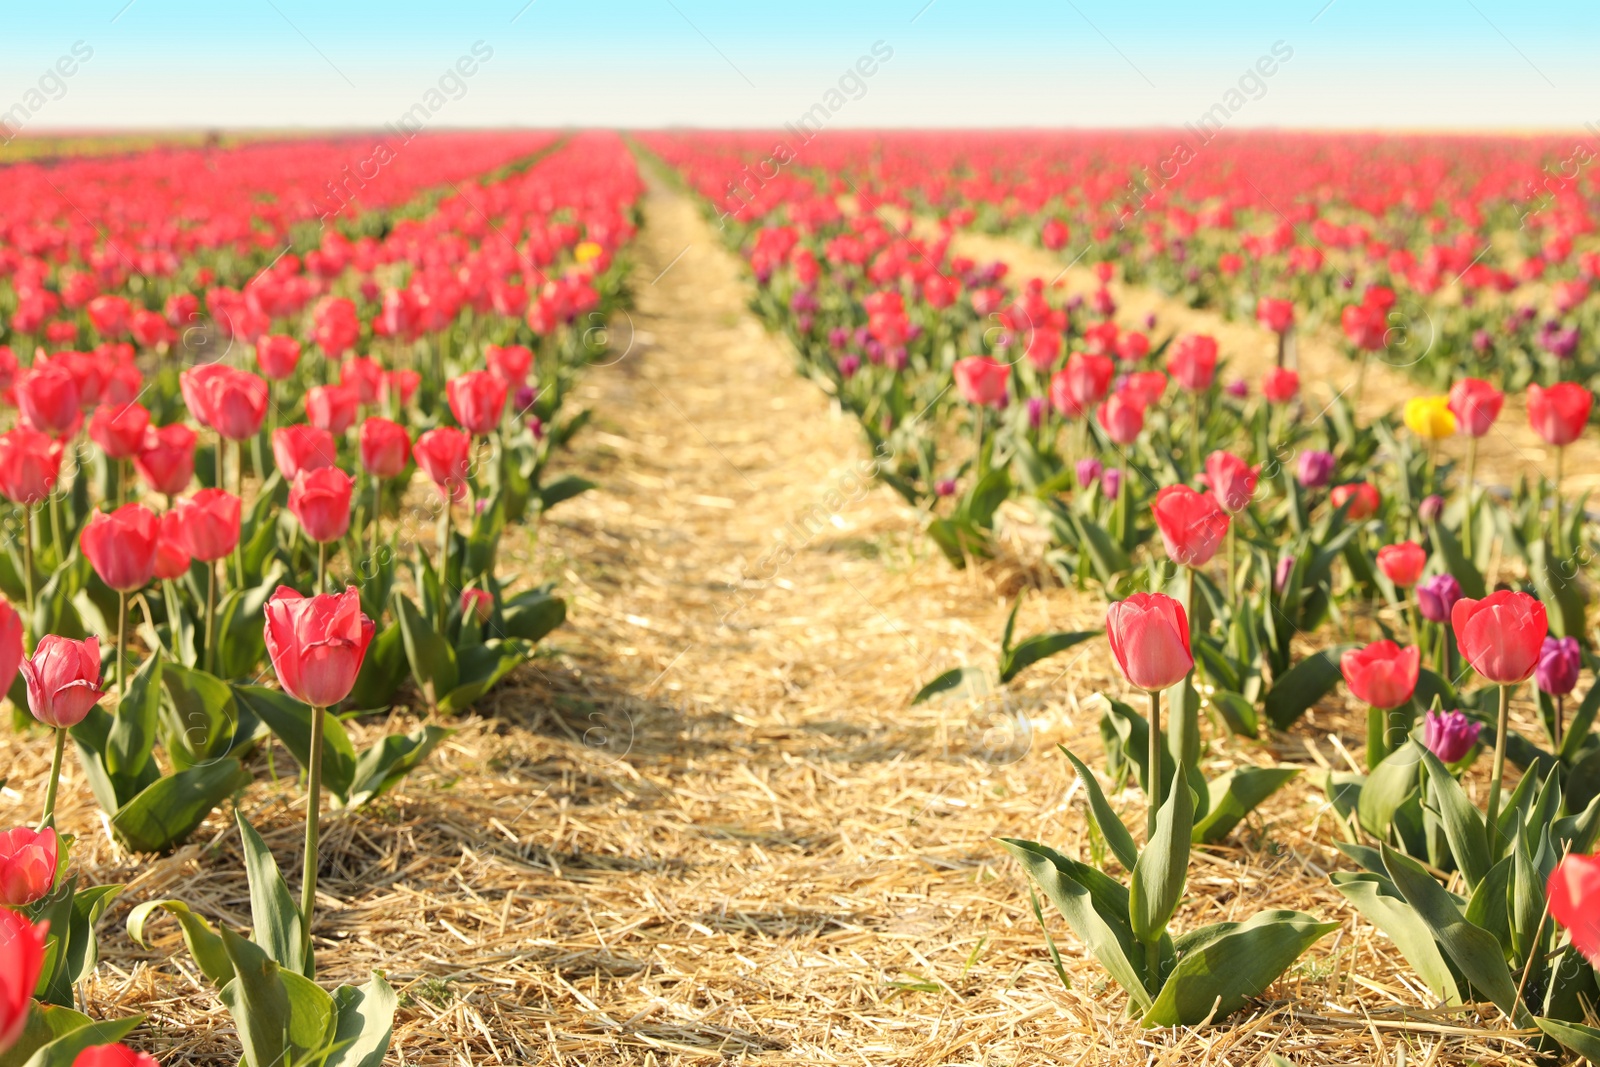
x=477 y=603
x=118 y=1055
x=10 y=645
x=1081 y=384
x=302 y=448
x=209 y=523
x=1575 y=902
x=1231 y=480
x=1276 y=315
x=119 y=429
x=1149 y=635
x=363 y=374
x=1475 y=404
x=320 y=499
x=172 y=552
x=1121 y=417
x=109 y=315
x=1559 y=414
x=1366 y=325
x=477 y=399
x=385 y=447
x=317 y=643
x=982 y=381
x=150 y=329
x=27 y=865
x=1280 y=385
x=1145 y=386
x=332 y=407
x=63 y=679
x=1192 y=524
x=1501 y=635
x=399 y=385
x=166 y=462
x=48 y=396
x=277 y=356
x=444 y=454
x=1363 y=497
x=29 y=464
x=231 y=401
x=509 y=363
x=1402 y=563
x=22 y=951
x=1383 y=674
x=1194 y=362
x=121 y=546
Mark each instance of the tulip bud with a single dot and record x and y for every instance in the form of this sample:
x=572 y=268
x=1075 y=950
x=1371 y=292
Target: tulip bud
x=477 y=603
x=945 y=487
x=1088 y=470
x=63 y=680
x=1149 y=635
x=1560 y=660
x=27 y=865
x=1437 y=596
x=1316 y=468
x=1450 y=736
x=1111 y=483
x=1430 y=509
x=1280 y=577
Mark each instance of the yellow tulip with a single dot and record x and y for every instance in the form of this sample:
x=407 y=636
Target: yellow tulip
x=586 y=251
x=1430 y=417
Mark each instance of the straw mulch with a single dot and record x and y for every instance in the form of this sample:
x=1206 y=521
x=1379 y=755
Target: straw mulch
x=709 y=826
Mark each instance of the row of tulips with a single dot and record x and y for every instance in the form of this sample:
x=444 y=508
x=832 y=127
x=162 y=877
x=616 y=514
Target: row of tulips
x=248 y=500
x=1156 y=474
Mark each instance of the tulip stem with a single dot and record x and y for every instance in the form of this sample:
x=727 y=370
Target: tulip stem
x=1498 y=774
x=1561 y=711
x=211 y=618
x=1559 y=536
x=49 y=820
x=55 y=524
x=1153 y=771
x=122 y=644
x=238 y=491
x=308 y=881
x=1377 y=737
x=377 y=508
x=1472 y=485
x=444 y=556
x=27 y=569
x=322 y=567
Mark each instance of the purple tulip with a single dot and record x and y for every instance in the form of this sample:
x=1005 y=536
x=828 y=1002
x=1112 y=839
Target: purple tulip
x=1150 y=321
x=524 y=397
x=1560 y=343
x=1088 y=471
x=1482 y=341
x=1559 y=663
x=838 y=337
x=1111 y=483
x=1431 y=508
x=1036 y=410
x=1449 y=735
x=849 y=363
x=1437 y=596
x=945 y=487
x=1316 y=468
x=1239 y=388
x=536 y=427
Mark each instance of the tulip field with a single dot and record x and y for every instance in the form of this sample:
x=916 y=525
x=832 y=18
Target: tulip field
x=908 y=597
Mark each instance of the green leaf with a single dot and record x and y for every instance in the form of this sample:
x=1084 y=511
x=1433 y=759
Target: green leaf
x=200 y=716
x=1108 y=558
x=957 y=681
x=366 y=1022
x=259 y=1003
x=1237 y=713
x=1302 y=686
x=1111 y=827
x=532 y=615
x=45 y=1023
x=204 y=943
x=1561 y=593
x=1236 y=962
x=433 y=661
x=382 y=766
x=1235 y=795
x=1163 y=867
x=482 y=667
x=279 y=927
x=1096 y=923
x=1453 y=560
x=83 y=950
x=1489 y=906
x=290 y=721
x=1033 y=649
x=64 y=1050
x=165 y=814
x=1389 y=785
x=564 y=488
x=1580 y=1039
x=1375 y=897
x=382 y=670
x=1463 y=824
x=132 y=737
x=312 y=1015
x=1473 y=950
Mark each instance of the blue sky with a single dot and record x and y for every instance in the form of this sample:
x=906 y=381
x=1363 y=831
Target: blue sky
x=1415 y=63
